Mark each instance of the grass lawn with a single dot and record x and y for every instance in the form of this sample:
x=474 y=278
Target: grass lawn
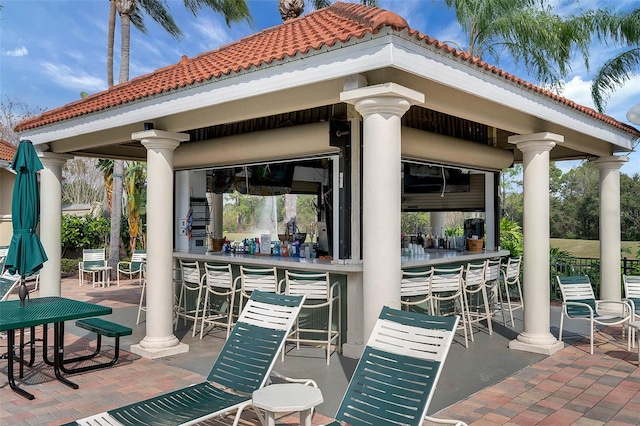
x=591 y=248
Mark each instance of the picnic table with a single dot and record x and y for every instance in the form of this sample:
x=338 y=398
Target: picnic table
x=42 y=311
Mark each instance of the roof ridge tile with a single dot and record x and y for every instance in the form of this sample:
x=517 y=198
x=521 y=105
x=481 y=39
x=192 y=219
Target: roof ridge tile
x=338 y=23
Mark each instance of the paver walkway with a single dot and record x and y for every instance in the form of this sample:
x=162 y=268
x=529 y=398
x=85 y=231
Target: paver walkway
x=569 y=387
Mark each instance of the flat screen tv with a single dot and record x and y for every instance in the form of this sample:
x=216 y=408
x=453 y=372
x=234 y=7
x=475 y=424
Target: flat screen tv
x=422 y=179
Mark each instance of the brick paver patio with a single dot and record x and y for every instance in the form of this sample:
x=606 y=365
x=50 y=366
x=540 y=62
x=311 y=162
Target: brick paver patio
x=569 y=387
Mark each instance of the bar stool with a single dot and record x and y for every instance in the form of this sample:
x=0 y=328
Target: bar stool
x=320 y=293
x=219 y=295
x=414 y=289
x=255 y=278
x=190 y=288
x=511 y=280
x=492 y=285
x=448 y=297
x=476 y=295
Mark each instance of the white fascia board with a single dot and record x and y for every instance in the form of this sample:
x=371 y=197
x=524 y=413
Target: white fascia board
x=326 y=64
x=413 y=57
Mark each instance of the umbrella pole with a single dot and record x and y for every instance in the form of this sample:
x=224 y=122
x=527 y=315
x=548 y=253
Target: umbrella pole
x=23 y=292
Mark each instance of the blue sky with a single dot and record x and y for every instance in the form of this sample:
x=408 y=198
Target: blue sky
x=52 y=50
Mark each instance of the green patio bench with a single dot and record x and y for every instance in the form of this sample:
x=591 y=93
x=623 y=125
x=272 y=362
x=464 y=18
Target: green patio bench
x=102 y=328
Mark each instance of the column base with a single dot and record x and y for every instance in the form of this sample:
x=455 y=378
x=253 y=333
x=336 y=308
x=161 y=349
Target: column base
x=159 y=352
x=158 y=347
x=544 y=344
x=352 y=351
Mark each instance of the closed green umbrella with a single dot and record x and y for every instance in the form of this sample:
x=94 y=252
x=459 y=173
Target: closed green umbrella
x=26 y=254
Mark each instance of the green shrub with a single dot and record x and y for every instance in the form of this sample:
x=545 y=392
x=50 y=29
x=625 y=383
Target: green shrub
x=511 y=237
x=79 y=232
x=69 y=266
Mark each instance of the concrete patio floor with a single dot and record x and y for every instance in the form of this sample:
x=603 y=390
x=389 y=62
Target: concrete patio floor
x=487 y=384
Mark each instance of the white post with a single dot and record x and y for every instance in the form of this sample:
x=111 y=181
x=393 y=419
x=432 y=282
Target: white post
x=536 y=336
x=438 y=222
x=381 y=107
x=610 y=226
x=216 y=215
x=159 y=340
x=51 y=221
x=490 y=212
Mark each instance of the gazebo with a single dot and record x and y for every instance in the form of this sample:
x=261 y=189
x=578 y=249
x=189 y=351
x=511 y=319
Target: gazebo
x=354 y=83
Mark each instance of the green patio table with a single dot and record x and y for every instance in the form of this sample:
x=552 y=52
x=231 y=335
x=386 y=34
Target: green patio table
x=42 y=311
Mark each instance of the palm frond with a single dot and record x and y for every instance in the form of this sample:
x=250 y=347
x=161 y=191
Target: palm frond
x=613 y=74
x=231 y=10
x=161 y=15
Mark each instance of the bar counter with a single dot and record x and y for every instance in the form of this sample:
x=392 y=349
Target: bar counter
x=350 y=275
x=432 y=257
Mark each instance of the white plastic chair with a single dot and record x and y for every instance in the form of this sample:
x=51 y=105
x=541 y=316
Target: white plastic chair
x=94 y=263
x=132 y=267
x=218 y=283
x=320 y=294
x=580 y=303
x=142 y=306
x=632 y=296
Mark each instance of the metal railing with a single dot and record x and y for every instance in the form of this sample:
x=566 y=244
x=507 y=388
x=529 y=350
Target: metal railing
x=567 y=266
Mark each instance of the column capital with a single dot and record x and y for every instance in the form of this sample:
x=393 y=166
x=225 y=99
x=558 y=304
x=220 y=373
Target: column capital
x=49 y=159
x=536 y=142
x=614 y=162
x=389 y=98
x=160 y=139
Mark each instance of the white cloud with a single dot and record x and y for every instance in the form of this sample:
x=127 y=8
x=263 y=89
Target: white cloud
x=17 y=52
x=578 y=91
x=71 y=78
x=212 y=33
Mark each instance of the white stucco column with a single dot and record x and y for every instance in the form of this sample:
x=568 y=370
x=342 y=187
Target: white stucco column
x=159 y=340
x=610 y=226
x=217 y=204
x=438 y=222
x=381 y=107
x=536 y=336
x=51 y=221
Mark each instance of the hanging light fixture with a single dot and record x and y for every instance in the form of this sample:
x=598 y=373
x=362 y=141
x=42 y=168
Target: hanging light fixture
x=633 y=115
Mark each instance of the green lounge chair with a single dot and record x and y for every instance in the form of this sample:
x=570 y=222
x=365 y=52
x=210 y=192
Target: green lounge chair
x=7 y=283
x=579 y=303
x=396 y=377
x=243 y=366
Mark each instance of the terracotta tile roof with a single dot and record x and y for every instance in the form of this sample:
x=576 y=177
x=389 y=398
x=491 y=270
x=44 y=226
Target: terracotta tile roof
x=338 y=23
x=7 y=151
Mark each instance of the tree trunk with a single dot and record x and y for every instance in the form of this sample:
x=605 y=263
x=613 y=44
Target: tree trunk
x=125 y=24
x=116 y=214
x=110 y=41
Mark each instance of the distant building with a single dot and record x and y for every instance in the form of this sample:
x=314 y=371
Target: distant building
x=7 y=178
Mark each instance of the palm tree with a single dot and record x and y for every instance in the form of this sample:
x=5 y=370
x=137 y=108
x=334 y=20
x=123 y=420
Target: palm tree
x=136 y=176
x=155 y=9
x=617 y=71
x=528 y=31
x=129 y=12
x=291 y=9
